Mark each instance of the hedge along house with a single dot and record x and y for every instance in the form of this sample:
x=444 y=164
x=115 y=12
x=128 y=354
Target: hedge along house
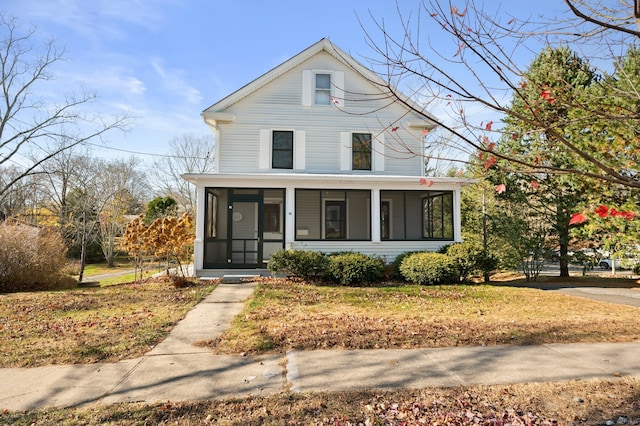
x=313 y=155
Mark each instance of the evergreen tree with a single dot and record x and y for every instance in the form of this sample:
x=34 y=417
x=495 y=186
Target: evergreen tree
x=553 y=86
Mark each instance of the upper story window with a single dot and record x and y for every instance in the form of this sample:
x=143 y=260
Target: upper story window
x=361 y=151
x=323 y=89
x=282 y=149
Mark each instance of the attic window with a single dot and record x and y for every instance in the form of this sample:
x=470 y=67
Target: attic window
x=323 y=89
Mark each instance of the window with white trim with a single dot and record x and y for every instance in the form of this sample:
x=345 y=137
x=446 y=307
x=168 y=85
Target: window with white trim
x=361 y=151
x=282 y=149
x=323 y=89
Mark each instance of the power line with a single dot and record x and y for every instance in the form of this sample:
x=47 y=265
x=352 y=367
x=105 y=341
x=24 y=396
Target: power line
x=146 y=153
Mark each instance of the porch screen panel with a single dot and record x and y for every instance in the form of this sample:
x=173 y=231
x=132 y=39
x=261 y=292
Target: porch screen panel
x=273 y=222
x=438 y=211
x=318 y=212
x=420 y=215
x=358 y=215
x=215 y=249
x=448 y=215
x=397 y=225
x=308 y=216
x=269 y=248
x=413 y=215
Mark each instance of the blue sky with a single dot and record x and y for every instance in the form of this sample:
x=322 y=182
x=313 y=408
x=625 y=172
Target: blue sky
x=164 y=61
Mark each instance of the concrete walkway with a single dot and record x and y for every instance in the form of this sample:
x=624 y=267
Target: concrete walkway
x=175 y=370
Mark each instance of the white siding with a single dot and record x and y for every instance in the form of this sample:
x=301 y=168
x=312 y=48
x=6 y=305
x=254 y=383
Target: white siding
x=338 y=89
x=299 y=150
x=265 y=146
x=387 y=250
x=280 y=105
x=345 y=151
x=378 y=153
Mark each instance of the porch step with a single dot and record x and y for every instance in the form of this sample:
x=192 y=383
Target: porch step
x=237 y=279
x=219 y=273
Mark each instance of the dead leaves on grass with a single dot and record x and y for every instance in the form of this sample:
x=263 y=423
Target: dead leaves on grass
x=288 y=315
x=89 y=325
x=540 y=404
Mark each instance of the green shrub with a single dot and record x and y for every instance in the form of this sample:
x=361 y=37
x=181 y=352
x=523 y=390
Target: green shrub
x=470 y=258
x=298 y=263
x=354 y=268
x=398 y=261
x=31 y=259
x=428 y=268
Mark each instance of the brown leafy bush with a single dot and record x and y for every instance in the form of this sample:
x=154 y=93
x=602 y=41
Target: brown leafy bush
x=31 y=259
x=169 y=239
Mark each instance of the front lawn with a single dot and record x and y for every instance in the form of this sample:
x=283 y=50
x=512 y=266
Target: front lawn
x=287 y=315
x=91 y=324
x=592 y=402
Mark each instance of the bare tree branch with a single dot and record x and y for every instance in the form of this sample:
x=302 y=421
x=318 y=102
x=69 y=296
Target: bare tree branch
x=32 y=128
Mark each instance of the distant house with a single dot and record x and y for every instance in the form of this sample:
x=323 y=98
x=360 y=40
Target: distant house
x=312 y=155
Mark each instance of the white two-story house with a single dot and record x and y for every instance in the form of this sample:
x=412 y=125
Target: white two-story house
x=315 y=155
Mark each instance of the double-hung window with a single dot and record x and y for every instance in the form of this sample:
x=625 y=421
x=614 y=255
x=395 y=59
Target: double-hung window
x=323 y=89
x=361 y=151
x=282 y=149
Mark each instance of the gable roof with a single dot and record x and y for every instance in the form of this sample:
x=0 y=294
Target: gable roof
x=216 y=111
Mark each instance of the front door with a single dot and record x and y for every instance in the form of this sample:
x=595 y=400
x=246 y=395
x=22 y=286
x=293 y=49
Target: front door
x=245 y=225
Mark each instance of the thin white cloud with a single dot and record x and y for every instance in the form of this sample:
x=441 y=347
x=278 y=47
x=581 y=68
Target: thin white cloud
x=174 y=83
x=111 y=80
x=95 y=19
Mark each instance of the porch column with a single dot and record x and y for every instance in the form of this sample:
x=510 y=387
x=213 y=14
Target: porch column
x=375 y=215
x=198 y=243
x=457 y=216
x=290 y=217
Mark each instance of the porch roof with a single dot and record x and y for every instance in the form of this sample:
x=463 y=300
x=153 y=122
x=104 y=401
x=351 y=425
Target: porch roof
x=270 y=180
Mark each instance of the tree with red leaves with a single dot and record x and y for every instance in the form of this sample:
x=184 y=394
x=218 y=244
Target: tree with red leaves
x=482 y=68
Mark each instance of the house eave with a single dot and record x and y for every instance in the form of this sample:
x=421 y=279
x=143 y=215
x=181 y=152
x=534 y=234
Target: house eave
x=214 y=118
x=422 y=124
x=265 y=180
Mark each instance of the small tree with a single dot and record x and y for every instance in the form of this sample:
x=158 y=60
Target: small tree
x=171 y=239
x=160 y=207
x=168 y=239
x=135 y=243
x=528 y=237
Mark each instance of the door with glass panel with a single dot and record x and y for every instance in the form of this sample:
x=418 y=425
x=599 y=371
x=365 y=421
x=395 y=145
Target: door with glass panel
x=246 y=231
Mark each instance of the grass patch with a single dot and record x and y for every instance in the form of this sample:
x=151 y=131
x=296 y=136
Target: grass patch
x=288 y=315
x=567 y=403
x=103 y=268
x=122 y=279
x=91 y=324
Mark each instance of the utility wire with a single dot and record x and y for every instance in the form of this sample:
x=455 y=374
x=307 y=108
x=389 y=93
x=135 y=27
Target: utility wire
x=145 y=153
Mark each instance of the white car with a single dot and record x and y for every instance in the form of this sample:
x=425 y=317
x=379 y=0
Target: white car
x=625 y=263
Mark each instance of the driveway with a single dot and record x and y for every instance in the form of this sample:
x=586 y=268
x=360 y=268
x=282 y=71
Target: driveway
x=621 y=296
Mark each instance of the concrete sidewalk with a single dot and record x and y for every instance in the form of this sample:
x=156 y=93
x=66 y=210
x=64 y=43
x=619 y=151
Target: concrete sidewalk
x=176 y=370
